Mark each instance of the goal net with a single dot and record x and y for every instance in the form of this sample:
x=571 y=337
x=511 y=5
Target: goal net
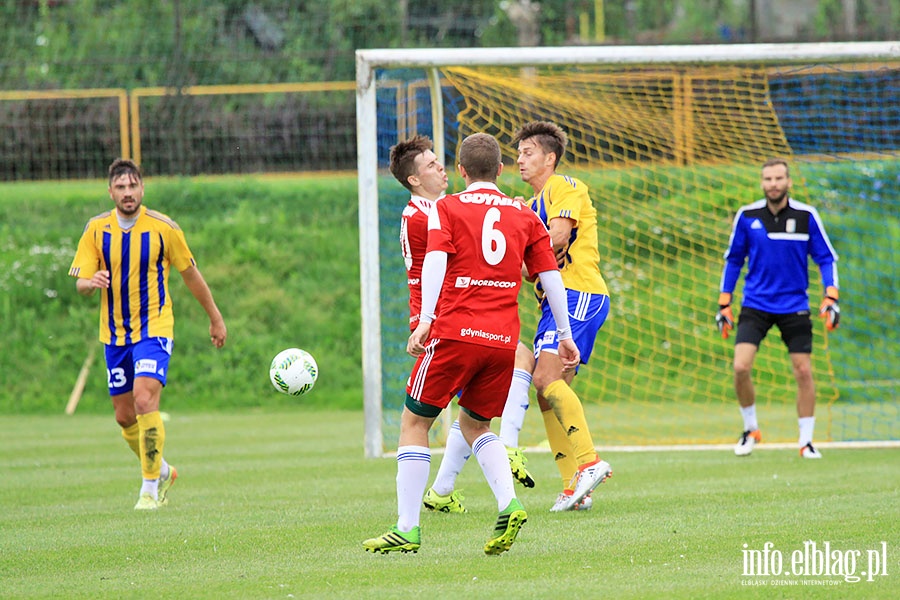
x=670 y=141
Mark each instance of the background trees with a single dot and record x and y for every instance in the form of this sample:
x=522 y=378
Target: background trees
x=105 y=43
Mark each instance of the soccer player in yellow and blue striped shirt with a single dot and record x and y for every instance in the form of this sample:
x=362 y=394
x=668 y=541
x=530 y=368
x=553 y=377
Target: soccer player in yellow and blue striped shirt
x=565 y=207
x=127 y=253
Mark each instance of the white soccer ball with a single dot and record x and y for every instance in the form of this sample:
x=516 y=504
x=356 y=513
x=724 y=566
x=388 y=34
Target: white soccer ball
x=293 y=371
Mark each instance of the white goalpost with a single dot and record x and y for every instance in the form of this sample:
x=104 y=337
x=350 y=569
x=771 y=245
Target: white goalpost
x=438 y=69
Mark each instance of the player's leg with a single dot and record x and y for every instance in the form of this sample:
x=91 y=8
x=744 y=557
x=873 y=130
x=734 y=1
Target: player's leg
x=491 y=456
x=120 y=364
x=152 y=437
x=566 y=406
x=514 y=414
x=413 y=464
x=560 y=446
x=442 y=496
x=806 y=388
x=483 y=400
x=587 y=313
x=549 y=382
x=744 y=355
x=753 y=325
x=563 y=456
x=806 y=404
x=431 y=385
x=517 y=399
x=123 y=405
x=151 y=367
x=120 y=379
x=796 y=332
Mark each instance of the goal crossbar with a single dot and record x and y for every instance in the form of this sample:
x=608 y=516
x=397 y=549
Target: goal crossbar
x=366 y=60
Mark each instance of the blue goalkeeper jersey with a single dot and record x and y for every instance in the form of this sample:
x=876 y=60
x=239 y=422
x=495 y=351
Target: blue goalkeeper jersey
x=778 y=247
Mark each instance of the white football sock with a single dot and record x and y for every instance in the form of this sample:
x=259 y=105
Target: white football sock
x=749 y=414
x=456 y=454
x=413 y=466
x=150 y=486
x=807 y=425
x=514 y=411
x=491 y=455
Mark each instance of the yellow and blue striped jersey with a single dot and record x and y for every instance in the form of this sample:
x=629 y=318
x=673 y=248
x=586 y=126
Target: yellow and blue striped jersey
x=568 y=197
x=137 y=304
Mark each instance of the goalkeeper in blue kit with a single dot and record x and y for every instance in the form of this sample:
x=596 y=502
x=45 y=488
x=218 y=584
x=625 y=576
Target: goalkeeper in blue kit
x=776 y=236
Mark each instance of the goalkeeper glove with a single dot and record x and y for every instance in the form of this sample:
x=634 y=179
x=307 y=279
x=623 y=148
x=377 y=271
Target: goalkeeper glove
x=725 y=318
x=830 y=311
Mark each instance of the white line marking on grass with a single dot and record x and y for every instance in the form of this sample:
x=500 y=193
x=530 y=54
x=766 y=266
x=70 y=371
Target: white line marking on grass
x=716 y=447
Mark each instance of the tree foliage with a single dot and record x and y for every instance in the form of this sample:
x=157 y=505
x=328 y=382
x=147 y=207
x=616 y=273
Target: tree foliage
x=130 y=43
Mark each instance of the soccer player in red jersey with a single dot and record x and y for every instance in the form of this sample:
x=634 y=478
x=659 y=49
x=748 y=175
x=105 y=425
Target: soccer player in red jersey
x=414 y=164
x=478 y=241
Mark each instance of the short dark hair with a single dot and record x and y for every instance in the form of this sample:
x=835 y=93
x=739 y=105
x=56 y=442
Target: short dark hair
x=403 y=157
x=479 y=155
x=124 y=166
x=549 y=136
x=778 y=161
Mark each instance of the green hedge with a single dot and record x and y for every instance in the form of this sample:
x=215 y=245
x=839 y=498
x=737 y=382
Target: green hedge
x=280 y=255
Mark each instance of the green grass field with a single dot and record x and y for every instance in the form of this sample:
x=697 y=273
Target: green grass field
x=276 y=504
x=273 y=500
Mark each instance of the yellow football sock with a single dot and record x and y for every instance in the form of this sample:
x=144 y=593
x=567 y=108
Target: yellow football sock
x=152 y=439
x=560 y=447
x=132 y=438
x=568 y=410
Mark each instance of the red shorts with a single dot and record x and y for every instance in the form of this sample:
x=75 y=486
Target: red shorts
x=482 y=373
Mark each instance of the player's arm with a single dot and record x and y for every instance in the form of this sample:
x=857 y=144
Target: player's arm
x=824 y=255
x=86 y=287
x=560 y=229
x=553 y=286
x=88 y=260
x=829 y=310
x=725 y=316
x=526 y=275
x=194 y=281
x=735 y=256
x=434 y=267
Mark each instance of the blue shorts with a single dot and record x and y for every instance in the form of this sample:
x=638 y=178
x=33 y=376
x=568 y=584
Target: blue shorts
x=587 y=313
x=146 y=358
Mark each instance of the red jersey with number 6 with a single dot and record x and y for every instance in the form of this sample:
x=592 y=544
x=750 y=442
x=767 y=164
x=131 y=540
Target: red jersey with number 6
x=487 y=236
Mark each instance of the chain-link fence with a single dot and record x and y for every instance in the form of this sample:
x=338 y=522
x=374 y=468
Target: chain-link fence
x=191 y=86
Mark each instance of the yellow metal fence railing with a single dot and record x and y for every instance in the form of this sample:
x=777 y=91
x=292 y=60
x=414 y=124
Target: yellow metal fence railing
x=71 y=134
x=60 y=134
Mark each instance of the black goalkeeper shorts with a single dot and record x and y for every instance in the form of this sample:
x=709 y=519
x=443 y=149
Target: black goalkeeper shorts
x=795 y=328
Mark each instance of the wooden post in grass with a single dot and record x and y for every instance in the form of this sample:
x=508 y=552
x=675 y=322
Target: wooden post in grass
x=78 y=389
